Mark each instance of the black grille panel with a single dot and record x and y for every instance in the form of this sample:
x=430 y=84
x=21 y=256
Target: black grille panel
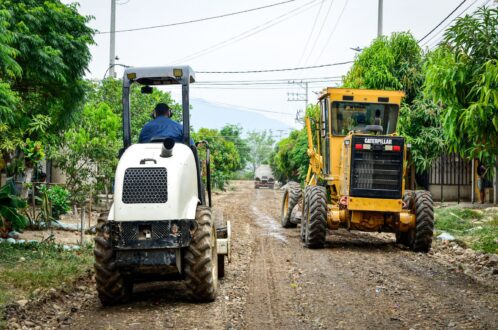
x=164 y=234
x=145 y=185
x=376 y=172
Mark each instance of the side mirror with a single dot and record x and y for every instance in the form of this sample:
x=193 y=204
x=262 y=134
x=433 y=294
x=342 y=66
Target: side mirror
x=146 y=90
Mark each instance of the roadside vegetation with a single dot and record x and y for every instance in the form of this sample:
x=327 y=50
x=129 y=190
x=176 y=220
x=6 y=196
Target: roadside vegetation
x=28 y=269
x=475 y=228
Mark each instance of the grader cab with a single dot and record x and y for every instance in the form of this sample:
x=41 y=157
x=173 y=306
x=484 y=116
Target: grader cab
x=356 y=175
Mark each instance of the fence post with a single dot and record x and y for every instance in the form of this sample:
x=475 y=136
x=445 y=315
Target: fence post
x=473 y=193
x=495 y=183
x=82 y=223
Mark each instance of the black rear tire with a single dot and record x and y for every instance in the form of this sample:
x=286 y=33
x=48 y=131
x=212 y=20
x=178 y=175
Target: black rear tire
x=419 y=239
x=305 y=212
x=291 y=197
x=316 y=217
x=424 y=230
x=200 y=259
x=112 y=287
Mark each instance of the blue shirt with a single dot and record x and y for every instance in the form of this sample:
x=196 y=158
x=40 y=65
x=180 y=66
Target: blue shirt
x=163 y=127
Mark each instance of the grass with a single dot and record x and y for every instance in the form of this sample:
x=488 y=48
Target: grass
x=27 y=267
x=477 y=229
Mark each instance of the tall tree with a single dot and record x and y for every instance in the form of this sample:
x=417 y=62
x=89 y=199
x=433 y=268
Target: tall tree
x=462 y=74
x=392 y=63
x=224 y=156
x=44 y=54
x=260 y=146
x=233 y=133
x=109 y=91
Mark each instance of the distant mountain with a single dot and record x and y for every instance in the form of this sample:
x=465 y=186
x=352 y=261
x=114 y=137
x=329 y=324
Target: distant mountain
x=212 y=115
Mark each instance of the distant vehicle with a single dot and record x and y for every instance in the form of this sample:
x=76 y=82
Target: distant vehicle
x=264 y=177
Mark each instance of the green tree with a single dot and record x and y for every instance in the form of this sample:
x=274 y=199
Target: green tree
x=289 y=159
x=420 y=123
x=260 y=146
x=88 y=151
x=43 y=57
x=390 y=63
x=224 y=156
x=462 y=75
x=141 y=105
x=233 y=133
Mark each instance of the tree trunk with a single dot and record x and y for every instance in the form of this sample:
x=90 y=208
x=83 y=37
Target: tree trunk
x=27 y=179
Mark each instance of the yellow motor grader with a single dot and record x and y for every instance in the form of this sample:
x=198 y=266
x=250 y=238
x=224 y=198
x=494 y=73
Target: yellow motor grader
x=356 y=175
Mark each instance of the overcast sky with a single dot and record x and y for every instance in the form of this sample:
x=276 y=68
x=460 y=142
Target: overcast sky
x=274 y=38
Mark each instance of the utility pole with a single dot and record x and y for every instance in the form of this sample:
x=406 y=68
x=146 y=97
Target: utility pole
x=299 y=97
x=379 y=21
x=112 y=53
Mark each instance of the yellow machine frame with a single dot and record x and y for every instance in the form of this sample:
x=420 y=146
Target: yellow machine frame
x=367 y=214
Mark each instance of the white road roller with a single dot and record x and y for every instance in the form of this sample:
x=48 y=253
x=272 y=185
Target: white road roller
x=160 y=225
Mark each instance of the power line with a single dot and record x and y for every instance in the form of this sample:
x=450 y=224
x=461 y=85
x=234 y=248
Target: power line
x=452 y=12
x=200 y=19
x=267 y=80
x=450 y=22
x=319 y=33
x=242 y=108
x=248 y=33
x=332 y=32
x=280 y=70
x=253 y=83
x=312 y=31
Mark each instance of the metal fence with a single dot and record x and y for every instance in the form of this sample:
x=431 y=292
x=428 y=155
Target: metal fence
x=451 y=173
x=451 y=170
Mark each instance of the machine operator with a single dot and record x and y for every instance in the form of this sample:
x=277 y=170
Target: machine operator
x=162 y=126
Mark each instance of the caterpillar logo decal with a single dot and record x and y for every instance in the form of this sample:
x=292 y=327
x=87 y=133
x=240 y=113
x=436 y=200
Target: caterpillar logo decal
x=378 y=141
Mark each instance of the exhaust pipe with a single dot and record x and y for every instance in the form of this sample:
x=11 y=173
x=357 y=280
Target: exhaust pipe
x=167 y=149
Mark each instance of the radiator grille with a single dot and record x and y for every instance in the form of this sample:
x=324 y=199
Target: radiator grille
x=145 y=185
x=376 y=173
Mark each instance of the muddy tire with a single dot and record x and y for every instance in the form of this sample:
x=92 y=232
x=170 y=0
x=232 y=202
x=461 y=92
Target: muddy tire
x=200 y=259
x=316 y=217
x=419 y=239
x=424 y=230
x=291 y=197
x=304 y=215
x=112 y=287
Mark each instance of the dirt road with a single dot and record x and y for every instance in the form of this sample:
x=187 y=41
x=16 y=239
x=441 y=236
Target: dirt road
x=358 y=281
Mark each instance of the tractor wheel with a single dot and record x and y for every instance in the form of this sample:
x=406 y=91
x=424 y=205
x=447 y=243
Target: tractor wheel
x=424 y=230
x=291 y=198
x=200 y=258
x=316 y=217
x=112 y=287
x=419 y=238
x=305 y=213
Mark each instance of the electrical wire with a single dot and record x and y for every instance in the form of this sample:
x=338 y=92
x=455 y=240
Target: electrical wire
x=319 y=33
x=332 y=31
x=248 y=33
x=451 y=13
x=200 y=19
x=242 y=108
x=449 y=23
x=312 y=31
x=279 y=70
x=267 y=80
